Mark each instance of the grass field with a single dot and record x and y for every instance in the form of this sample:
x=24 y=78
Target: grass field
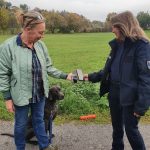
x=71 y=51
x=87 y=51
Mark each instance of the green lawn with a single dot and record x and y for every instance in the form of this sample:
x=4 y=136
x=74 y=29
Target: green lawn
x=87 y=51
x=71 y=51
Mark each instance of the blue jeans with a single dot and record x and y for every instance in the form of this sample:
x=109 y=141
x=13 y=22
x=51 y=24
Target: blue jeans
x=21 y=119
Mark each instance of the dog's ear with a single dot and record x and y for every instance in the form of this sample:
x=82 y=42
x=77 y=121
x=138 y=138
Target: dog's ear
x=55 y=88
x=58 y=87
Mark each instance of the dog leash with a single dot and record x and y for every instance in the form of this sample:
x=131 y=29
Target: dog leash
x=50 y=127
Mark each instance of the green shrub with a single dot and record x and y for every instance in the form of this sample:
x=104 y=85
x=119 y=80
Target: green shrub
x=80 y=99
x=75 y=104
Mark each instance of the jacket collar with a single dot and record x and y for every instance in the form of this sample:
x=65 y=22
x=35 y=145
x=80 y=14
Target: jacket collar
x=113 y=43
x=19 y=41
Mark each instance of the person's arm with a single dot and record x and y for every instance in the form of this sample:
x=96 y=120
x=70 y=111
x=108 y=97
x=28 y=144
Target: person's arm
x=5 y=73
x=94 y=77
x=142 y=58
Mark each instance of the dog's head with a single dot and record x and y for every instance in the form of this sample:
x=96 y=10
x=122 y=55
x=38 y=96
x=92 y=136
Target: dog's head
x=55 y=93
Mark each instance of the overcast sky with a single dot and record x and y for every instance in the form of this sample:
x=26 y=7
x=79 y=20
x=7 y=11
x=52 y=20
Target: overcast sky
x=91 y=9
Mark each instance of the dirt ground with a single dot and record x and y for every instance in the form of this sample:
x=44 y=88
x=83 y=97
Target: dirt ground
x=71 y=136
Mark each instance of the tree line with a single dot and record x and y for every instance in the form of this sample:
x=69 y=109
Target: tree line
x=61 y=21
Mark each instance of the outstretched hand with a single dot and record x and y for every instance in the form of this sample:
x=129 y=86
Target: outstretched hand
x=136 y=115
x=85 y=77
x=70 y=77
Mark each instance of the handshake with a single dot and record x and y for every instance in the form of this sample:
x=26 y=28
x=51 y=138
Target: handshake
x=77 y=75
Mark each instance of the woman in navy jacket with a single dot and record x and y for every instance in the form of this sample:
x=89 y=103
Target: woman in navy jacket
x=126 y=79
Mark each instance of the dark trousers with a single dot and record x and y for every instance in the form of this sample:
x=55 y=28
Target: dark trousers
x=21 y=118
x=122 y=117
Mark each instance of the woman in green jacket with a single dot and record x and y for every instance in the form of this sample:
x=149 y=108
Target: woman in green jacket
x=24 y=69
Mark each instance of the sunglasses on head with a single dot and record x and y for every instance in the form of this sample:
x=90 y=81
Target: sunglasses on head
x=33 y=18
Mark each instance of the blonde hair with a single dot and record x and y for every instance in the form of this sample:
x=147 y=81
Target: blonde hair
x=128 y=25
x=29 y=19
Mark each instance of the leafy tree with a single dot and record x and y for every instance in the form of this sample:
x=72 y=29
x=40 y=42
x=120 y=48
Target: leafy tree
x=8 y=5
x=97 y=26
x=76 y=23
x=2 y=3
x=85 y=24
x=4 y=18
x=24 y=7
x=144 y=19
x=13 y=26
x=56 y=20
x=73 y=22
x=107 y=22
x=62 y=24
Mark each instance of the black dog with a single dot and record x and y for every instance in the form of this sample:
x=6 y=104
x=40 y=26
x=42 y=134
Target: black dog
x=51 y=108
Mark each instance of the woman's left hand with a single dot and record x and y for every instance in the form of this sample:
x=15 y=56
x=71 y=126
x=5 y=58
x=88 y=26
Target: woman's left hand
x=136 y=115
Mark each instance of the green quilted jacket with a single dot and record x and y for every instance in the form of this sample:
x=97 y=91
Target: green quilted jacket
x=16 y=70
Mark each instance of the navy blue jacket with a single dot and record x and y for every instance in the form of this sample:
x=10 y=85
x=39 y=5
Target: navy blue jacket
x=134 y=74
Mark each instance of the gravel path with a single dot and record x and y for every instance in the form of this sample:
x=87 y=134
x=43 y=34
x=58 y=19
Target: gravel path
x=71 y=136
